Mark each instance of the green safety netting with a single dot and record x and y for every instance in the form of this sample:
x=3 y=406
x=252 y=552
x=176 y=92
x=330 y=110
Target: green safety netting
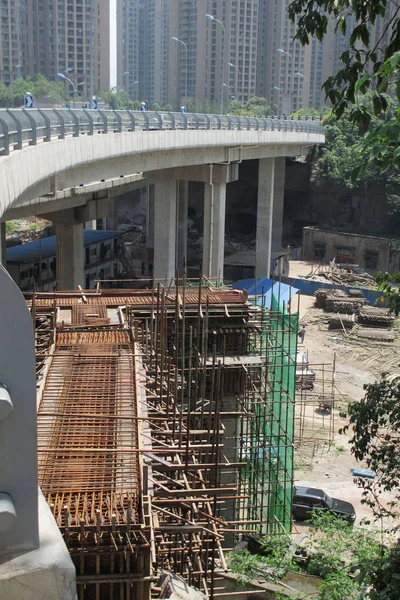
x=268 y=441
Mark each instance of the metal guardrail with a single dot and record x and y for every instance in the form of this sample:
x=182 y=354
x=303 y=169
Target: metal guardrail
x=19 y=127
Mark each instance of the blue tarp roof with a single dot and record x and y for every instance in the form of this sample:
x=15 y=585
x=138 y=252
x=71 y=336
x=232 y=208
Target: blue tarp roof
x=267 y=287
x=46 y=247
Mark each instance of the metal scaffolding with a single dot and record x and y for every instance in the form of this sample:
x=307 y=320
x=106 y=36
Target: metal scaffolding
x=166 y=423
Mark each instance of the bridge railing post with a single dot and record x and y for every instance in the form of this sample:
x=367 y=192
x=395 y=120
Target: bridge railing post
x=75 y=119
x=32 y=121
x=117 y=117
x=18 y=127
x=91 y=124
x=47 y=136
x=105 y=122
x=132 y=119
x=173 y=122
x=6 y=139
x=61 y=135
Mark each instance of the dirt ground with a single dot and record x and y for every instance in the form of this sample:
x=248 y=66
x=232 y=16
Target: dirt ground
x=320 y=463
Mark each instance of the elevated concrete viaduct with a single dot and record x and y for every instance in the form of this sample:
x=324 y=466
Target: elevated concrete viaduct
x=68 y=165
x=51 y=173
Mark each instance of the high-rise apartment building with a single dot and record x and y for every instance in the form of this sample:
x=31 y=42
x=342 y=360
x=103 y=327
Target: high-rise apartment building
x=283 y=63
x=211 y=54
x=70 y=37
x=13 y=48
x=248 y=49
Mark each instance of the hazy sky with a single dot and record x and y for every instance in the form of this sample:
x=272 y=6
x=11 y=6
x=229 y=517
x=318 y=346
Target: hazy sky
x=113 y=46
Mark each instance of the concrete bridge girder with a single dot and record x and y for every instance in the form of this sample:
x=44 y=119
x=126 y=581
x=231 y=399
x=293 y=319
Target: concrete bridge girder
x=85 y=172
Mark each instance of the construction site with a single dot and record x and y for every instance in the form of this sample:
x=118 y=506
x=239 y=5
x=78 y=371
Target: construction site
x=165 y=429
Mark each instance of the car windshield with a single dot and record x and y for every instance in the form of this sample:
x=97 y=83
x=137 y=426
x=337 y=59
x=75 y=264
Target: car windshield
x=328 y=500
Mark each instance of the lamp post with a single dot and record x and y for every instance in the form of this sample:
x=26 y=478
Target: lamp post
x=230 y=96
x=232 y=66
x=281 y=51
x=298 y=74
x=125 y=79
x=212 y=18
x=177 y=40
x=62 y=76
x=12 y=84
x=91 y=80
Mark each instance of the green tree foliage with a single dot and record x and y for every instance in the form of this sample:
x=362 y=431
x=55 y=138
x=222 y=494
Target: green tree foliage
x=39 y=87
x=115 y=99
x=339 y=158
x=254 y=107
x=350 y=560
x=375 y=425
x=312 y=113
x=365 y=68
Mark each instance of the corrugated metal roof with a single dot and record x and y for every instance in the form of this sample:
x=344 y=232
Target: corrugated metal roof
x=268 y=288
x=46 y=247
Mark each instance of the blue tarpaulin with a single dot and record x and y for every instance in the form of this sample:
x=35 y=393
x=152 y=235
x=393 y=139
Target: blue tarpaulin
x=271 y=293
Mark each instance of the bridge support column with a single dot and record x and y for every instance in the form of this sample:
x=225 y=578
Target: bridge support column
x=3 y=249
x=214 y=230
x=70 y=255
x=164 y=226
x=277 y=215
x=183 y=189
x=265 y=206
x=150 y=217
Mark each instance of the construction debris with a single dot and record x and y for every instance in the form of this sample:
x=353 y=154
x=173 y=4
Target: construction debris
x=340 y=274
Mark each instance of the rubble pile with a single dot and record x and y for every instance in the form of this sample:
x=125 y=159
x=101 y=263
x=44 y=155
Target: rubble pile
x=349 y=275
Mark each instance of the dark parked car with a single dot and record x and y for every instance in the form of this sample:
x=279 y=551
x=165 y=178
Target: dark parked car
x=306 y=500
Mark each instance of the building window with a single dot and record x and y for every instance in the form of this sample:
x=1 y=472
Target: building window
x=345 y=255
x=319 y=250
x=371 y=259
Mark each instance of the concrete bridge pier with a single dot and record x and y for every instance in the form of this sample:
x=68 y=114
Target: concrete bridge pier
x=70 y=255
x=150 y=217
x=265 y=208
x=165 y=225
x=183 y=200
x=279 y=192
x=214 y=230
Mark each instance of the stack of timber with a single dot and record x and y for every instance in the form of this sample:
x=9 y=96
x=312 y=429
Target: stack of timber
x=322 y=294
x=371 y=316
x=345 y=305
x=341 y=322
x=377 y=334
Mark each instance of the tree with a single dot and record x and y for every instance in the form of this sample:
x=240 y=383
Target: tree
x=115 y=99
x=375 y=426
x=366 y=67
x=256 y=106
x=338 y=158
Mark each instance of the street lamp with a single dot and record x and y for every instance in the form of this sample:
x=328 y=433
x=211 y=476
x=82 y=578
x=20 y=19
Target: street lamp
x=281 y=51
x=12 y=84
x=62 y=76
x=212 y=18
x=175 y=39
x=131 y=85
x=232 y=66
